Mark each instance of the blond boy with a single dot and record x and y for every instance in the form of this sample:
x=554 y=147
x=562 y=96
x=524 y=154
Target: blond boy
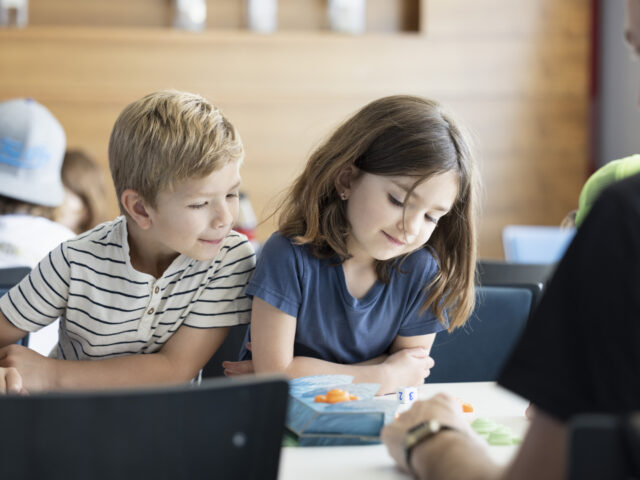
x=148 y=297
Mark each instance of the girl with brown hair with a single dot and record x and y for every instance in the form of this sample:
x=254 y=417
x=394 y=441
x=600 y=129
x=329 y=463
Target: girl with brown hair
x=375 y=251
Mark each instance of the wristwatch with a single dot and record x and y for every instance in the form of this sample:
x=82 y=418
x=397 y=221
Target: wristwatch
x=421 y=433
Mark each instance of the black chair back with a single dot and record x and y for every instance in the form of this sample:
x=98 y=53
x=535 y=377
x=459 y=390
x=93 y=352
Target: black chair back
x=229 y=350
x=8 y=278
x=499 y=273
x=604 y=447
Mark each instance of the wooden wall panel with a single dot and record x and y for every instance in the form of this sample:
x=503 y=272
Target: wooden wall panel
x=382 y=15
x=520 y=86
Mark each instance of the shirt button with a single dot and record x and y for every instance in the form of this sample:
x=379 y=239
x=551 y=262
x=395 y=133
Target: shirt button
x=150 y=311
x=156 y=290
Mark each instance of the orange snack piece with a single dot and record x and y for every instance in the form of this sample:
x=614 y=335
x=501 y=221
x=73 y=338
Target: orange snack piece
x=335 y=395
x=466 y=406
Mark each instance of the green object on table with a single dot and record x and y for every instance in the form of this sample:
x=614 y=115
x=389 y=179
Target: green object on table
x=499 y=438
x=289 y=439
x=494 y=433
x=483 y=426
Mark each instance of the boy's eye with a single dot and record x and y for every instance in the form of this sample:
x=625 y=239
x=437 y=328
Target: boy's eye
x=233 y=195
x=196 y=206
x=395 y=201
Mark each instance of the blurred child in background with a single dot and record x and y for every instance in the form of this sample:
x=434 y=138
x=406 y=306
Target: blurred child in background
x=32 y=144
x=85 y=193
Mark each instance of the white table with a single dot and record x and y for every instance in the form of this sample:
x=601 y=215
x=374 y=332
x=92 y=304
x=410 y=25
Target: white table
x=374 y=463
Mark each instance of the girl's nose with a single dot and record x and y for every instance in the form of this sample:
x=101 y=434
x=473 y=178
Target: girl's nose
x=410 y=225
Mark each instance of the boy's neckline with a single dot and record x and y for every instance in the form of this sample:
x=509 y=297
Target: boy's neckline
x=156 y=270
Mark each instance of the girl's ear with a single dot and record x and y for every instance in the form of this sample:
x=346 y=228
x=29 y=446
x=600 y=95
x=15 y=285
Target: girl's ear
x=344 y=181
x=135 y=206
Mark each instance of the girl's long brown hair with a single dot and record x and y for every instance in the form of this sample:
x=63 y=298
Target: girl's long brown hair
x=393 y=136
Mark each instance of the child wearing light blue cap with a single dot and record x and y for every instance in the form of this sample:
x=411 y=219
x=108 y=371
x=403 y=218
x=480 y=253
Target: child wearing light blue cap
x=32 y=145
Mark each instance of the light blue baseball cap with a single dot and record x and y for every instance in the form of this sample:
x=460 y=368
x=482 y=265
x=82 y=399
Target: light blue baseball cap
x=32 y=145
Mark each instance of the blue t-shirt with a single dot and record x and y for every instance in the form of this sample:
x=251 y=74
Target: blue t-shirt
x=331 y=324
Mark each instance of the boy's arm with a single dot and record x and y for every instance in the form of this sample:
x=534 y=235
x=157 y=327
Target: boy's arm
x=10 y=379
x=179 y=360
x=272 y=340
x=9 y=333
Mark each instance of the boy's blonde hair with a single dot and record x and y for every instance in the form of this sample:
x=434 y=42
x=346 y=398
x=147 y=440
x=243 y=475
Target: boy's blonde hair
x=394 y=136
x=167 y=137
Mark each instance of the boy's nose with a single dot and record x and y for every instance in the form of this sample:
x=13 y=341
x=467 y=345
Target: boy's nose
x=222 y=217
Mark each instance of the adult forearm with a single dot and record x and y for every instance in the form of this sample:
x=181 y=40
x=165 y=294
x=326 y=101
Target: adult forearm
x=451 y=456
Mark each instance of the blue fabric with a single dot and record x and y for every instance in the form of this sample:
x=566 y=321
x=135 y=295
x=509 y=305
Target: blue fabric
x=331 y=324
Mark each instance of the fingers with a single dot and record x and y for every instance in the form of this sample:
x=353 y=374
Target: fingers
x=12 y=381
x=237 y=368
x=530 y=411
x=392 y=436
x=430 y=362
x=249 y=346
x=418 y=352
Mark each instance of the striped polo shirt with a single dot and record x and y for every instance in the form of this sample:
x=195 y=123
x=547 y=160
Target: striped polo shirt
x=107 y=308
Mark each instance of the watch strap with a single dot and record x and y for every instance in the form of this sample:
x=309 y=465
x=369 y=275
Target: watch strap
x=420 y=433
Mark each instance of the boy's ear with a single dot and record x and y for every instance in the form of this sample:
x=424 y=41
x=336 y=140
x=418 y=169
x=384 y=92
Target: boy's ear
x=135 y=206
x=344 y=181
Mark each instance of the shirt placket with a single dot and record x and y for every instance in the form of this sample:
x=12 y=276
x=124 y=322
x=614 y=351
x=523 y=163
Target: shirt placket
x=146 y=323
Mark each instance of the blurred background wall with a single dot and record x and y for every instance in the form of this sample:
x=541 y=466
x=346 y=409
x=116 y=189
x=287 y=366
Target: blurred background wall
x=515 y=72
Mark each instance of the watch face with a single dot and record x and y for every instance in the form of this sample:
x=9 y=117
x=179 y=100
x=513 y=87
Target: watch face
x=421 y=431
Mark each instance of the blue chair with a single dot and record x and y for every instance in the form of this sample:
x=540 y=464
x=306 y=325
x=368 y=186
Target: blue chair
x=8 y=278
x=477 y=351
x=604 y=447
x=535 y=244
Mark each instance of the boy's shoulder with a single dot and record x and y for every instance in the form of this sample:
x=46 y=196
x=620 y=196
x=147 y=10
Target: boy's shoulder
x=111 y=233
x=235 y=247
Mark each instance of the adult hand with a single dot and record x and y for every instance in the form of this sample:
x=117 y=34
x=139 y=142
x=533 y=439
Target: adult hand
x=442 y=407
x=25 y=370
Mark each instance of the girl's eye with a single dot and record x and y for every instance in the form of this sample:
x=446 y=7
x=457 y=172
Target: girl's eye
x=429 y=218
x=395 y=201
x=196 y=206
x=233 y=195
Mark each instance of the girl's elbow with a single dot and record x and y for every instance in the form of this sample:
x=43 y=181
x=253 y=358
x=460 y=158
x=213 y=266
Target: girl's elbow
x=271 y=366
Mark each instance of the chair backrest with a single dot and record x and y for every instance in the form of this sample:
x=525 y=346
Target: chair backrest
x=229 y=350
x=221 y=429
x=494 y=273
x=8 y=278
x=604 y=447
x=477 y=351
x=535 y=243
